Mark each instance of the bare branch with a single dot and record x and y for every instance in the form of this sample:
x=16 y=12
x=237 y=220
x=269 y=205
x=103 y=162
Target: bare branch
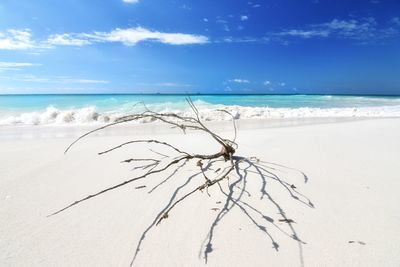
x=143 y=141
x=175 y=158
x=118 y=185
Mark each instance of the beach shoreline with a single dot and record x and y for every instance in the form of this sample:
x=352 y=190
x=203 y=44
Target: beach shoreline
x=352 y=180
x=62 y=110
x=23 y=131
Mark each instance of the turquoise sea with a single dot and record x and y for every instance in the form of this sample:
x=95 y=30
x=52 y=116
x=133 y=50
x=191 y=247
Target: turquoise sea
x=100 y=108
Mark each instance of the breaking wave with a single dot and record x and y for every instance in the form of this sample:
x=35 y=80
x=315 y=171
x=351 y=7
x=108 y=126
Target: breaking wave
x=90 y=115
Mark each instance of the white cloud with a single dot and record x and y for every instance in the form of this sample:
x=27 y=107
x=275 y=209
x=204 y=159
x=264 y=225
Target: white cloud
x=267 y=83
x=230 y=39
x=52 y=79
x=186 y=7
x=223 y=23
x=304 y=33
x=58 y=89
x=173 y=84
x=66 y=39
x=355 y=29
x=348 y=25
x=239 y=81
x=343 y=28
x=24 y=78
x=132 y=36
x=85 y=81
x=274 y=84
x=5 y=66
x=13 y=39
x=166 y=84
x=128 y=37
x=244 y=17
x=131 y=1
x=363 y=29
x=22 y=39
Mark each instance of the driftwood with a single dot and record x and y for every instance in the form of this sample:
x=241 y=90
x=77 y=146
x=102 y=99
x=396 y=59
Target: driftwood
x=236 y=166
x=227 y=150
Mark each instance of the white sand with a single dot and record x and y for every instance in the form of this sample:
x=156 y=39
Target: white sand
x=354 y=180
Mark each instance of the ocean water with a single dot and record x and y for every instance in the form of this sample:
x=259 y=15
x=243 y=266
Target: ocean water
x=103 y=108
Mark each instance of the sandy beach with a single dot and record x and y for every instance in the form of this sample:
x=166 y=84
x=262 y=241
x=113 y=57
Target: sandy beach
x=343 y=206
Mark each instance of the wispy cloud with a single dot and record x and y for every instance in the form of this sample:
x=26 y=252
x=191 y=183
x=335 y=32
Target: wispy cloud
x=133 y=36
x=131 y=1
x=57 y=89
x=6 y=66
x=85 y=81
x=24 y=78
x=22 y=39
x=267 y=83
x=248 y=39
x=239 y=81
x=223 y=23
x=244 y=17
x=52 y=79
x=395 y=21
x=304 y=33
x=166 y=84
x=362 y=30
x=253 y=5
x=186 y=7
x=356 y=29
x=66 y=39
x=273 y=85
x=13 y=39
x=128 y=37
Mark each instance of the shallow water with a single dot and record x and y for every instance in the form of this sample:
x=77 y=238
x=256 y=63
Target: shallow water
x=97 y=109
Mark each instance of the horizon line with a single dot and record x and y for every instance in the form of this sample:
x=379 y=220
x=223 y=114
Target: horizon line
x=198 y=94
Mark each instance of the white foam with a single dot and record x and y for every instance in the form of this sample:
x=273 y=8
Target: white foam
x=90 y=115
x=51 y=115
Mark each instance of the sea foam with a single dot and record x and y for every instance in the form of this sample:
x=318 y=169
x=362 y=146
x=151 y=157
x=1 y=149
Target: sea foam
x=90 y=115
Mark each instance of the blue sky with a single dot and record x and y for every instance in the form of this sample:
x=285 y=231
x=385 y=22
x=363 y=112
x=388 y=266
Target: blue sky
x=207 y=46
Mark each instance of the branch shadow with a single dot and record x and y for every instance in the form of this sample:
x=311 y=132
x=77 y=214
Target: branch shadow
x=264 y=172
x=170 y=202
x=244 y=168
x=168 y=177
